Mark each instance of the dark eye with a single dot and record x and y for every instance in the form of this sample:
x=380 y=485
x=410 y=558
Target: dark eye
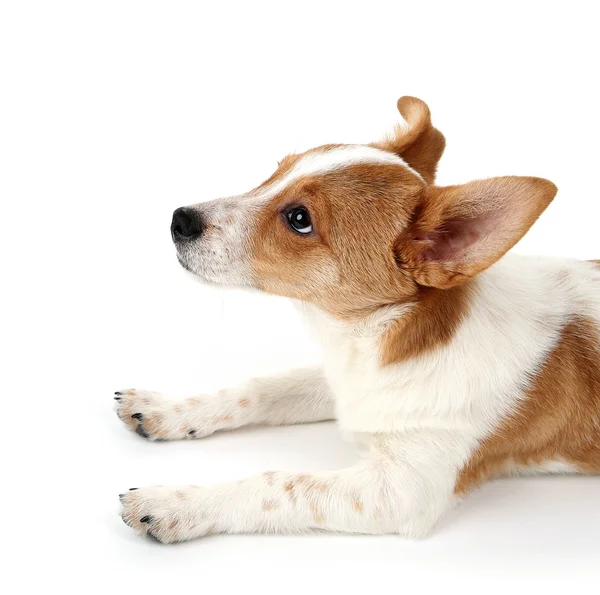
x=299 y=220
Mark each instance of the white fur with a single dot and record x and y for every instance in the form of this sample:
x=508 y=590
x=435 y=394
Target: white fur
x=324 y=161
x=418 y=422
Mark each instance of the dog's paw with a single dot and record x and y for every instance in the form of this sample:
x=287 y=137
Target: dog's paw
x=157 y=418
x=167 y=514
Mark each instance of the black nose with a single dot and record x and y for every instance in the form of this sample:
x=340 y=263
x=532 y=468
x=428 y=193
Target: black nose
x=186 y=224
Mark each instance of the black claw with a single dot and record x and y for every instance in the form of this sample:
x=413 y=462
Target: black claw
x=191 y=432
x=118 y=393
x=117 y=398
x=121 y=496
x=137 y=416
x=146 y=519
x=131 y=489
x=142 y=432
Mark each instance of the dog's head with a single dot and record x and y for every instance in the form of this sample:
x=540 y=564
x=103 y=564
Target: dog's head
x=354 y=227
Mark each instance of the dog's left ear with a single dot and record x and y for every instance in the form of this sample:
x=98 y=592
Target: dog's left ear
x=459 y=231
x=416 y=140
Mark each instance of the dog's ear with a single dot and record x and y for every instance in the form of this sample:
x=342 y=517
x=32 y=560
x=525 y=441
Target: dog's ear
x=415 y=139
x=458 y=231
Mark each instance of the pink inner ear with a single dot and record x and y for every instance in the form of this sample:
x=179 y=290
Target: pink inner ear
x=456 y=239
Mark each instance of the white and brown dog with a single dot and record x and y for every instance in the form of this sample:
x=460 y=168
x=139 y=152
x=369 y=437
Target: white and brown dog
x=448 y=361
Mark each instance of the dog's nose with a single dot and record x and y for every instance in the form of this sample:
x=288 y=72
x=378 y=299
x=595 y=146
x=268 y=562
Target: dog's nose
x=186 y=224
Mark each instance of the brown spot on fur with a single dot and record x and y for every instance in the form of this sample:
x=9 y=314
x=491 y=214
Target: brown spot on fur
x=317 y=514
x=302 y=479
x=558 y=420
x=210 y=530
x=269 y=477
x=179 y=494
x=289 y=488
x=222 y=419
x=177 y=409
x=320 y=486
x=173 y=525
x=244 y=403
x=357 y=505
x=269 y=504
x=431 y=322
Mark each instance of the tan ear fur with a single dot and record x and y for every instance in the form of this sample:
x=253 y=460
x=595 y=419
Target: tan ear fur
x=416 y=140
x=459 y=231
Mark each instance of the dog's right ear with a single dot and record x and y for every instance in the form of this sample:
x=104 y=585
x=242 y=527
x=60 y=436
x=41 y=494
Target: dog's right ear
x=415 y=139
x=459 y=231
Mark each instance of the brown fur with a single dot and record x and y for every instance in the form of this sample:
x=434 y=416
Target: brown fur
x=419 y=144
x=558 y=419
x=431 y=323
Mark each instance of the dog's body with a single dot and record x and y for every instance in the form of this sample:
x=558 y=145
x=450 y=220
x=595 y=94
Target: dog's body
x=447 y=361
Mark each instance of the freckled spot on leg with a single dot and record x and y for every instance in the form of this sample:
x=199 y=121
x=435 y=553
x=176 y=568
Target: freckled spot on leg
x=357 y=505
x=302 y=479
x=321 y=486
x=269 y=477
x=222 y=419
x=289 y=488
x=244 y=403
x=173 y=525
x=269 y=504
x=317 y=514
x=177 y=409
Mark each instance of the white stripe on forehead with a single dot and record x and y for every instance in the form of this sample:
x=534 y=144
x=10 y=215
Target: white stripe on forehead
x=320 y=162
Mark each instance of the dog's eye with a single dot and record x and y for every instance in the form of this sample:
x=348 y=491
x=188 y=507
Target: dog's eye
x=299 y=220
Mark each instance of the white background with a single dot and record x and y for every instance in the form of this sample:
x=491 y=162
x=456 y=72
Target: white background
x=114 y=113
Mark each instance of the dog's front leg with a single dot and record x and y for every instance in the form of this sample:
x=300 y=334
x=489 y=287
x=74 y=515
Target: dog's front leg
x=387 y=492
x=299 y=396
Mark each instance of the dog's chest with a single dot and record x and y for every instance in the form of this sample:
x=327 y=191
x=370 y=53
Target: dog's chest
x=352 y=369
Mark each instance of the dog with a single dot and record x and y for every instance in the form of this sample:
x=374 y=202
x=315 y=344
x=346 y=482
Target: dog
x=448 y=361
